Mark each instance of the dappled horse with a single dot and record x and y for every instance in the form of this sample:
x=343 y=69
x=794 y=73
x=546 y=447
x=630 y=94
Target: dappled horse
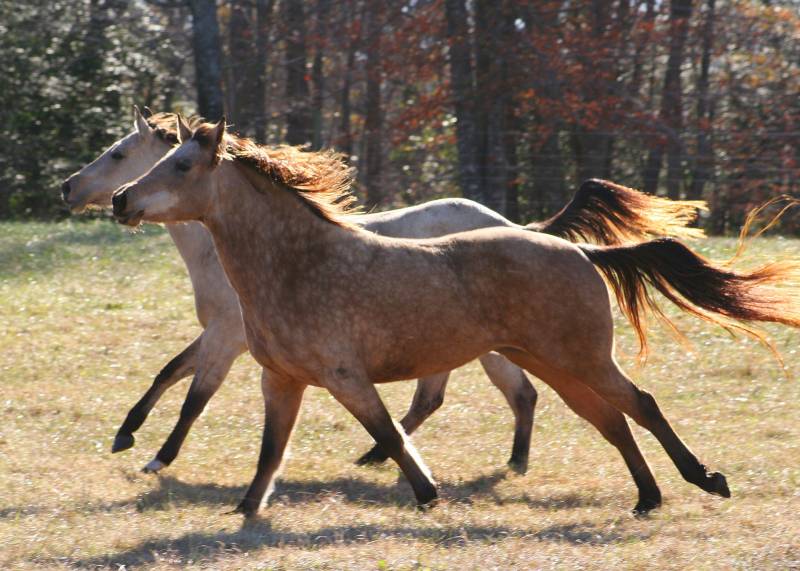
x=328 y=304
x=600 y=211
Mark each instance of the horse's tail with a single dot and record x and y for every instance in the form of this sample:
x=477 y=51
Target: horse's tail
x=693 y=283
x=608 y=213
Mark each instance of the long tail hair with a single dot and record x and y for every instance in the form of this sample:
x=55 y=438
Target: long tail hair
x=722 y=296
x=608 y=213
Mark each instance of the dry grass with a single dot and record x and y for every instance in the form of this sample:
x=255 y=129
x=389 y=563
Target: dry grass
x=89 y=314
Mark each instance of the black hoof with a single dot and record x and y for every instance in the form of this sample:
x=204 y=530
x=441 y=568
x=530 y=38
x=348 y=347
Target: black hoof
x=244 y=509
x=374 y=457
x=428 y=499
x=646 y=505
x=429 y=505
x=717 y=484
x=518 y=466
x=122 y=442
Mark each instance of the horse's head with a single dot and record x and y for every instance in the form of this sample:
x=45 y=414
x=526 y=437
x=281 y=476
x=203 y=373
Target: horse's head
x=178 y=188
x=124 y=161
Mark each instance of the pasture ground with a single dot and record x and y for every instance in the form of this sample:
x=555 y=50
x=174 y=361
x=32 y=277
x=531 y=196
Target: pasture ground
x=89 y=314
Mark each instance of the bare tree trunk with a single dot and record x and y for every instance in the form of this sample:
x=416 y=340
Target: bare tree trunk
x=592 y=146
x=174 y=62
x=317 y=75
x=512 y=164
x=373 y=121
x=549 y=186
x=207 y=59
x=671 y=113
x=490 y=100
x=345 y=128
x=263 y=20
x=242 y=70
x=463 y=98
x=298 y=120
x=704 y=162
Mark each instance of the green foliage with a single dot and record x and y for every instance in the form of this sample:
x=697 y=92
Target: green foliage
x=71 y=70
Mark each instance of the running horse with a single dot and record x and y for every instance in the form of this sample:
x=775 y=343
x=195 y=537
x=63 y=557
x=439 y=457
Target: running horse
x=601 y=211
x=326 y=303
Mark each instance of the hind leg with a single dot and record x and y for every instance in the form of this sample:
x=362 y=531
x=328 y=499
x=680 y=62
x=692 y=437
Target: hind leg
x=615 y=387
x=181 y=366
x=608 y=421
x=428 y=397
x=612 y=425
x=354 y=391
x=521 y=397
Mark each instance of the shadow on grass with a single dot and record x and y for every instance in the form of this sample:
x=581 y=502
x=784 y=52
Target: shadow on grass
x=206 y=547
x=171 y=492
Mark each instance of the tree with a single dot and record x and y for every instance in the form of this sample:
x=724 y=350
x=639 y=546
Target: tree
x=373 y=120
x=462 y=93
x=298 y=118
x=207 y=59
x=671 y=112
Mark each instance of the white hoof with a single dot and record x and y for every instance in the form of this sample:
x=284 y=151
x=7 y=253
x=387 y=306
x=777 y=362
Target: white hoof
x=153 y=466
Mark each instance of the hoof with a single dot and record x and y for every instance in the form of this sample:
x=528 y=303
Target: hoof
x=518 y=466
x=372 y=458
x=122 y=442
x=428 y=499
x=717 y=484
x=646 y=505
x=244 y=509
x=153 y=466
x=427 y=506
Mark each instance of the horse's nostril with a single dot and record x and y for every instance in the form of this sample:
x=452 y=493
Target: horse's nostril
x=65 y=189
x=118 y=202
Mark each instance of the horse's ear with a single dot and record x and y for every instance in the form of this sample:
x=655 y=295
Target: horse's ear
x=184 y=131
x=140 y=122
x=219 y=132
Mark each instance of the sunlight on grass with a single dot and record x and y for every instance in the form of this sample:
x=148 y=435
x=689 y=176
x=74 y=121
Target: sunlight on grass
x=90 y=313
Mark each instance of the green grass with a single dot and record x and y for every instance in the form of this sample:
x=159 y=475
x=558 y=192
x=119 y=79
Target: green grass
x=89 y=313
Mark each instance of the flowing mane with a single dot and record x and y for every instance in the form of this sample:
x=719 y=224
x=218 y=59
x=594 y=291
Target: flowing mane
x=320 y=179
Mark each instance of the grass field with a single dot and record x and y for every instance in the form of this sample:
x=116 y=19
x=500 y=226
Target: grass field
x=89 y=313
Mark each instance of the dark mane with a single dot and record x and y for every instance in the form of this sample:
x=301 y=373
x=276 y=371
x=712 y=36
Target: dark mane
x=321 y=179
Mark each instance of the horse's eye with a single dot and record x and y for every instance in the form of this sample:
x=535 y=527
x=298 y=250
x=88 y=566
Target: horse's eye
x=183 y=166
x=117 y=156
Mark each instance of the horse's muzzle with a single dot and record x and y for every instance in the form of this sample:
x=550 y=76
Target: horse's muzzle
x=118 y=201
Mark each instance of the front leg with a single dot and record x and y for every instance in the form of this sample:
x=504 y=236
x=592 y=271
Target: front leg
x=282 y=398
x=359 y=396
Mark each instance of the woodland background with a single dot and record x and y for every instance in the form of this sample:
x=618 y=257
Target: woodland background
x=509 y=103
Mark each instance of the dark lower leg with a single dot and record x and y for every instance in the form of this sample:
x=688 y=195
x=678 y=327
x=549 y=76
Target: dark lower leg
x=282 y=400
x=644 y=410
x=362 y=400
x=428 y=397
x=203 y=387
x=521 y=397
x=612 y=425
x=178 y=368
x=690 y=467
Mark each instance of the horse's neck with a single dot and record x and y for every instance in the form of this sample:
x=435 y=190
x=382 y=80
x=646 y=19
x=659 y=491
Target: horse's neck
x=263 y=237
x=196 y=247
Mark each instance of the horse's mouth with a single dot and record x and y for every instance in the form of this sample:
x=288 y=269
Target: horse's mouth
x=131 y=219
